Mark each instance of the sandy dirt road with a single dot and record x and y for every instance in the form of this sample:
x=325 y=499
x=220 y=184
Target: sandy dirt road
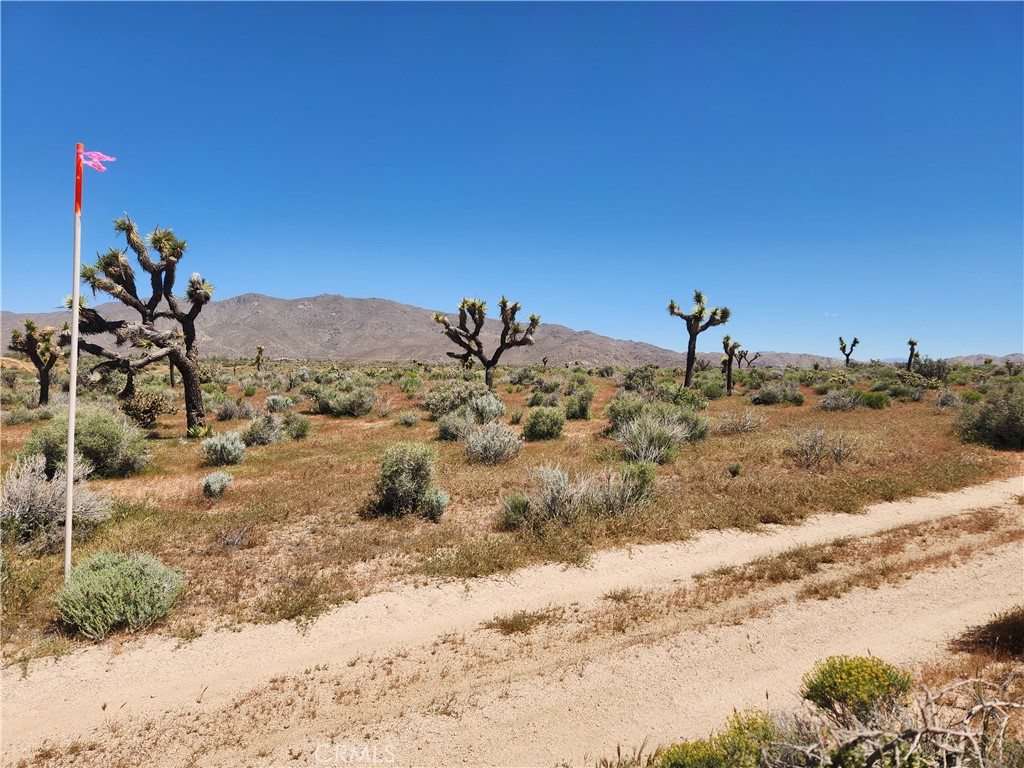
x=268 y=695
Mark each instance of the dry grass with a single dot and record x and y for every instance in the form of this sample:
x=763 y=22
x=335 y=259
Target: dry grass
x=286 y=541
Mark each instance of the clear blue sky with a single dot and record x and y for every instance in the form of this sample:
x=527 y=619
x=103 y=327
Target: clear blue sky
x=823 y=169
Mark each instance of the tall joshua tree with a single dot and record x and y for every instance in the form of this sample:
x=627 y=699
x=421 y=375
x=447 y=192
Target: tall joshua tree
x=39 y=346
x=114 y=275
x=847 y=353
x=743 y=356
x=259 y=358
x=512 y=333
x=912 y=343
x=730 y=347
x=697 y=321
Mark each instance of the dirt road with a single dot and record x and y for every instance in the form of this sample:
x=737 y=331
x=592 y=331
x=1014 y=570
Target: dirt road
x=409 y=677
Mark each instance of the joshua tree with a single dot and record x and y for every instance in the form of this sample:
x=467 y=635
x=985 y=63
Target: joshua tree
x=698 y=321
x=39 y=345
x=730 y=348
x=512 y=333
x=847 y=353
x=259 y=358
x=113 y=274
x=912 y=343
x=743 y=357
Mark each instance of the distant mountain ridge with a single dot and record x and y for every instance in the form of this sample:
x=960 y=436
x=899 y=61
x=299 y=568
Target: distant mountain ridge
x=332 y=327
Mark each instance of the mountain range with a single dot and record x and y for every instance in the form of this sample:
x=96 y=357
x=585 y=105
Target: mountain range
x=332 y=327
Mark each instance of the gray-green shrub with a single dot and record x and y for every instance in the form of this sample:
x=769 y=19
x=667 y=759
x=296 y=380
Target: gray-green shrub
x=113 y=590
x=407 y=419
x=493 y=444
x=998 y=421
x=296 y=426
x=840 y=400
x=225 y=448
x=33 y=507
x=279 y=403
x=263 y=430
x=485 y=408
x=110 y=442
x=406 y=475
x=779 y=392
x=357 y=402
x=215 y=483
x=454 y=426
x=450 y=396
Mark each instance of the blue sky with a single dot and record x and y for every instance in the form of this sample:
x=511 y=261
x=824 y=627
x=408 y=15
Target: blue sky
x=823 y=169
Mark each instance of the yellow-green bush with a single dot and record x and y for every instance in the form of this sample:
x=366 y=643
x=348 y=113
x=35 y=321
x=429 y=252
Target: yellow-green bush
x=855 y=687
x=738 y=745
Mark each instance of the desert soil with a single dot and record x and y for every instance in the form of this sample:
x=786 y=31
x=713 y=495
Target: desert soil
x=412 y=677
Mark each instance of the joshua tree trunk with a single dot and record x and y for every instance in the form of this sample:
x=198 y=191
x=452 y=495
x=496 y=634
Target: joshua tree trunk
x=913 y=348
x=691 y=359
x=174 y=378
x=191 y=382
x=44 y=385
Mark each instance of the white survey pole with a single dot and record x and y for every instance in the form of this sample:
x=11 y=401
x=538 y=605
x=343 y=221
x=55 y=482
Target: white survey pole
x=73 y=367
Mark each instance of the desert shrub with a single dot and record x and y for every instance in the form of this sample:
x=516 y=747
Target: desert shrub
x=279 y=403
x=854 y=689
x=557 y=499
x=249 y=391
x=450 y=396
x=640 y=378
x=577 y=406
x=936 y=370
x=410 y=384
x=222 y=449
x=357 y=402
x=144 y=408
x=33 y=506
x=454 y=426
x=522 y=376
x=947 y=398
x=669 y=391
x=605 y=371
x=739 y=745
x=111 y=590
x=876 y=400
x=516 y=417
x=546 y=386
x=407 y=419
x=840 y=400
x=652 y=437
x=972 y=396
x=110 y=442
x=296 y=426
x=227 y=410
x=778 y=392
x=535 y=399
x=735 y=423
x=493 y=444
x=215 y=483
x=406 y=475
x=485 y=408
x=712 y=389
x=543 y=424
x=998 y=421
x=434 y=503
x=813 y=447
x=19 y=415
x=623 y=407
x=263 y=430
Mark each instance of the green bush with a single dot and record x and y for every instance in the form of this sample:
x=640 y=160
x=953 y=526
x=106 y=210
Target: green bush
x=876 y=400
x=407 y=419
x=113 y=445
x=225 y=448
x=485 y=408
x=972 y=396
x=854 y=689
x=406 y=475
x=840 y=400
x=640 y=378
x=738 y=745
x=577 y=405
x=144 y=408
x=450 y=396
x=454 y=426
x=623 y=407
x=296 y=426
x=112 y=590
x=998 y=421
x=332 y=402
x=249 y=391
x=780 y=392
x=544 y=424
